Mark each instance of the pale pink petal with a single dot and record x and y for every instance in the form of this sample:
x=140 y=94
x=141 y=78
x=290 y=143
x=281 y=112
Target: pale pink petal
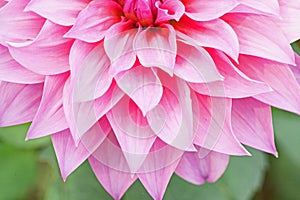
x=235 y=84
x=91 y=79
x=197 y=169
x=213 y=125
x=18 y=102
x=108 y=164
x=156 y=47
x=169 y=10
x=156 y=180
x=43 y=55
x=215 y=34
x=93 y=21
x=62 y=12
x=252 y=124
x=194 y=64
x=142 y=85
x=132 y=131
x=16 y=25
x=279 y=77
x=205 y=10
x=171 y=120
x=265 y=7
x=12 y=71
x=69 y=155
x=256 y=38
x=120 y=35
x=290 y=15
x=50 y=117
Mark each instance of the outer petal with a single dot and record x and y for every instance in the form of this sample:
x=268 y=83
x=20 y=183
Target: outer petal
x=69 y=155
x=142 y=85
x=279 y=77
x=132 y=131
x=266 y=7
x=18 y=102
x=48 y=53
x=62 y=12
x=50 y=117
x=205 y=10
x=110 y=167
x=289 y=11
x=12 y=71
x=194 y=64
x=16 y=25
x=252 y=124
x=196 y=168
x=216 y=34
x=94 y=20
x=212 y=121
x=235 y=84
x=156 y=47
x=256 y=37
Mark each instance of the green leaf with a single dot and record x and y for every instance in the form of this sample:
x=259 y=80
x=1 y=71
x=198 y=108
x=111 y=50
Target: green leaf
x=15 y=135
x=82 y=184
x=287 y=133
x=17 y=172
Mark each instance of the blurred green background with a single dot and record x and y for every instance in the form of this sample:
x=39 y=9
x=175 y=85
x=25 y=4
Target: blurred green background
x=29 y=171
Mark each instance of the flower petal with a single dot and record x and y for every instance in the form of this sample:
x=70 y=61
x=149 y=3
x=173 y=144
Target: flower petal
x=18 y=102
x=52 y=55
x=256 y=38
x=50 y=117
x=196 y=168
x=93 y=21
x=156 y=47
x=142 y=85
x=61 y=12
x=279 y=77
x=252 y=124
x=194 y=64
x=11 y=71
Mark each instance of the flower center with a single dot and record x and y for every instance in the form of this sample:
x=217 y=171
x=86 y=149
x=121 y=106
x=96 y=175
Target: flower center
x=141 y=11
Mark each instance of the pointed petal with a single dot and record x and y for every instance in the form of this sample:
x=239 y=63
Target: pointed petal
x=18 y=102
x=16 y=25
x=156 y=180
x=57 y=11
x=142 y=85
x=50 y=117
x=194 y=64
x=197 y=169
x=120 y=35
x=69 y=155
x=108 y=164
x=93 y=21
x=252 y=124
x=11 y=71
x=171 y=120
x=259 y=40
x=213 y=125
x=216 y=34
x=53 y=55
x=205 y=10
x=279 y=77
x=132 y=131
x=235 y=84
x=265 y=7
x=290 y=15
x=156 y=47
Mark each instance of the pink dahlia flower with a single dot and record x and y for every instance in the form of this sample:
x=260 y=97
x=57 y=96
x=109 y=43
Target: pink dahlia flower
x=146 y=88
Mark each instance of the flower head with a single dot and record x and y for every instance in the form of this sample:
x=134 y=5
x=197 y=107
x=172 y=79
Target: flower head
x=146 y=88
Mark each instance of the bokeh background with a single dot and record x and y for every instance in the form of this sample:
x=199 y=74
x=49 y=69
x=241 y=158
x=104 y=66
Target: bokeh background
x=29 y=171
